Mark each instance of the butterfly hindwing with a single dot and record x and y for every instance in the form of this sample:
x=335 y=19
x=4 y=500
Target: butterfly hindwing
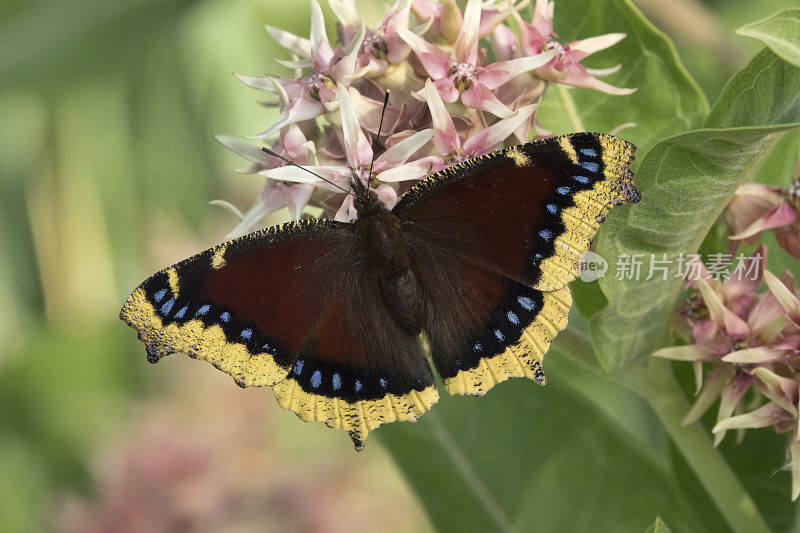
x=358 y=369
x=289 y=307
x=483 y=327
x=526 y=212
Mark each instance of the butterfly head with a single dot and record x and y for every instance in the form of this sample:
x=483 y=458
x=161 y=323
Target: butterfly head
x=366 y=202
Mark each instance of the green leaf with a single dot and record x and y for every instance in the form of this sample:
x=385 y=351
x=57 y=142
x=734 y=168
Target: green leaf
x=686 y=181
x=658 y=527
x=781 y=32
x=764 y=92
x=541 y=459
x=667 y=100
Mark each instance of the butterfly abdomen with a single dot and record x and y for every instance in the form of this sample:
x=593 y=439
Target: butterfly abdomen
x=389 y=261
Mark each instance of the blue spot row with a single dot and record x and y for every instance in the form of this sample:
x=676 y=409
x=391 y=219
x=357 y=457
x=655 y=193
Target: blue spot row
x=499 y=335
x=165 y=309
x=247 y=333
x=552 y=208
x=182 y=312
x=546 y=234
x=477 y=348
x=589 y=152
x=512 y=317
x=203 y=310
x=581 y=179
x=336 y=379
x=226 y=316
x=563 y=190
x=159 y=295
x=591 y=166
x=526 y=303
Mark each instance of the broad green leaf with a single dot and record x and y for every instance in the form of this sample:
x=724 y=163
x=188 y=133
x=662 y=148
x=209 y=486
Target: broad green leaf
x=781 y=32
x=779 y=168
x=667 y=100
x=540 y=459
x=764 y=92
x=686 y=181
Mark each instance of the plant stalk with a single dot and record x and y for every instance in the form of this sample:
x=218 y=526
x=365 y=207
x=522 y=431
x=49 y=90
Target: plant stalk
x=653 y=380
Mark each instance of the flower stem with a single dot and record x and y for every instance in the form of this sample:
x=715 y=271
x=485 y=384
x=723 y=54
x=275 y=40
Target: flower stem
x=654 y=381
x=569 y=106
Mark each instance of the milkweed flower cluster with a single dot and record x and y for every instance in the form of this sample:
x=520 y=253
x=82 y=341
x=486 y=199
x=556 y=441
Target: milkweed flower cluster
x=750 y=339
x=756 y=208
x=448 y=100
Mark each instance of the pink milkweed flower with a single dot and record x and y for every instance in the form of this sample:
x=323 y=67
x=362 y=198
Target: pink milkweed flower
x=447 y=141
x=274 y=195
x=756 y=208
x=777 y=377
x=391 y=167
x=738 y=330
x=313 y=93
x=381 y=47
x=445 y=18
x=781 y=412
x=461 y=75
x=537 y=36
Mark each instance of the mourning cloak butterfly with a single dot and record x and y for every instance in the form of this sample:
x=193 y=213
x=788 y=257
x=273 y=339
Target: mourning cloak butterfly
x=329 y=314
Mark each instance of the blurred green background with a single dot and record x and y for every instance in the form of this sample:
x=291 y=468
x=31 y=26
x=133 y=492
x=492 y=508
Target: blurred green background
x=107 y=164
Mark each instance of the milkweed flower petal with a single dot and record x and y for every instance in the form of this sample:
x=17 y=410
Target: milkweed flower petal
x=400 y=152
x=481 y=97
x=433 y=59
x=465 y=48
x=762 y=417
x=445 y=136
x=356 y=146
x=290 y=41
x=688 y=352
x=489 y=139
x=346 y=11
x=497 y=74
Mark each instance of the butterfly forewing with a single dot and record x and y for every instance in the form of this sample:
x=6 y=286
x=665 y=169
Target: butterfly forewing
x=295 y=308
x=526 y=212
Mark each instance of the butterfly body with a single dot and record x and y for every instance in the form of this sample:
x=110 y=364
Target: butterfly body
x=386 y=249
x=329 y=314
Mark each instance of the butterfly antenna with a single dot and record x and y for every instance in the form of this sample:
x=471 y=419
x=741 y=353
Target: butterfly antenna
x=372 y=145
x=273 y=154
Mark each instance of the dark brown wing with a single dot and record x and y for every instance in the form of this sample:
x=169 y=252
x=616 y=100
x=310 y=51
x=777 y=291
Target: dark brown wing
x=497 y=239
x=482 y=327
x=526 y=212
x=292 y=307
